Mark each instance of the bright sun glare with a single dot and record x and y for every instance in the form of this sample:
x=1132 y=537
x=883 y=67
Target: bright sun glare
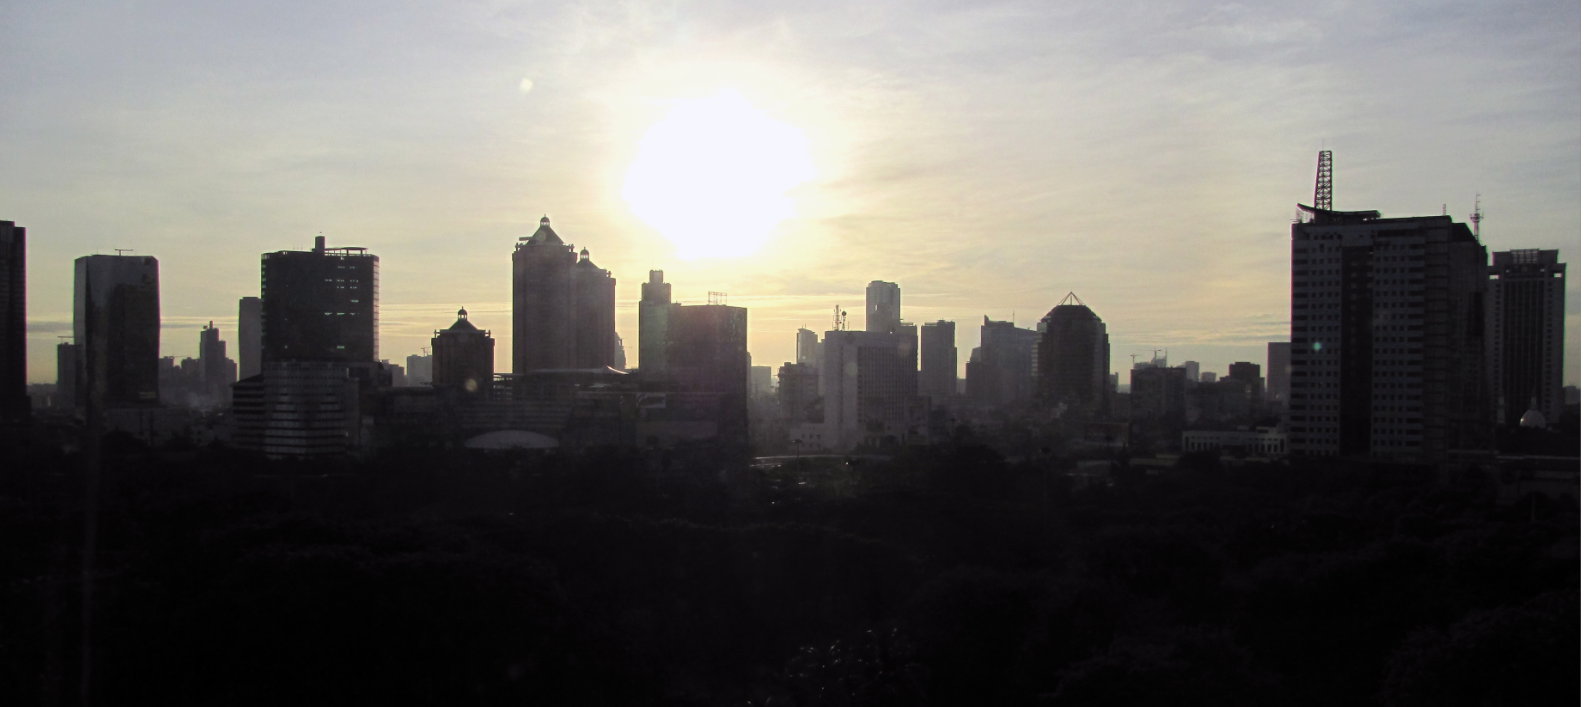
x=713 y=176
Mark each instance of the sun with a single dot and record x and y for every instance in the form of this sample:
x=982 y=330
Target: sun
x=713 y=176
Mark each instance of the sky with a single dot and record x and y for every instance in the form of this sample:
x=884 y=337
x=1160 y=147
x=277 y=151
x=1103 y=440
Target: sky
x=989 y=157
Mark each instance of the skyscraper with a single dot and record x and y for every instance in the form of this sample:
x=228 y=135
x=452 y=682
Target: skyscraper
x=870 y=388
x=654 y=308
x=938 y=361
x=1003 y=373
x=807 y=346
x=1388 y=356
x=707 y=351
x=320 y=305
x=883 y=307
x=563 y=306
x=1528 y=301
x=250 y=345
x=13 y=322
x=464 y=357
x=216 y=372
x=1074 y=358
x=116 y=322
x=1278 y=372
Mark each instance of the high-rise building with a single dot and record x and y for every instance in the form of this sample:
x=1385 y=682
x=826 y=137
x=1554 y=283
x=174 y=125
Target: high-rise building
x=1191 y=371
x=216 y=372
x=707 y=351
x=882 y=307
x=320 y=305
x=1528 y=301
x=938 y=361
x=420 y=369
x=870 y=388
x=13 y=322
x=1158 y=398
x=798 y=392
x=250 y=342
x=563 y=306
x=116 y=324
x=68 y=366
x=1002 y=373
x=464 y=357
x=1388 y=354
x=654 y=307
x=1249 y=375
x=1074 y=358
x=807 y=346
x=1278 y=372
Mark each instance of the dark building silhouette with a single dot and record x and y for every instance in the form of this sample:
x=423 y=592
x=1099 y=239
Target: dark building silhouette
x=13 y=322
x=882 y=307
x=1158 y=404
x=1388 y=352
x=870 y=387
x=938 y=361
x=799 y=392
x=116 y=324
x=563 y=306
x=1249 y=375
x=320 y=305
x=1524 y=335
x=464 y=357
x=1074 y=358
x=250 y=342
x=654 y=309
x=68 y=366
x=1002 y=370
x=217 y=372
x=1278 y=373
x=707 y=351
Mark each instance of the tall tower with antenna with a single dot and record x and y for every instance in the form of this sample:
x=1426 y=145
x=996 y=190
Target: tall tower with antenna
x=1322 y=194
x=1476 y=217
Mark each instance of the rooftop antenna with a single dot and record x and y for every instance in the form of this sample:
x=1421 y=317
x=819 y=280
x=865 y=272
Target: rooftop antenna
x=1135 y=359
x=123 y=251
x=1322 y=194
x=1476 y=217
x=717 y=297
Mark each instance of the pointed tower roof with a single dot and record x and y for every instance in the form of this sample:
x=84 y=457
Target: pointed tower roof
x=545 y=234
x=462 y=323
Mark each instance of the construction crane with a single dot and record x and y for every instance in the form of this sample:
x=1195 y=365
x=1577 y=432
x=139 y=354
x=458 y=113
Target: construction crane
x=1322 y=194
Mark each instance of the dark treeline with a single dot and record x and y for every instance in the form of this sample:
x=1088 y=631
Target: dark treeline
x=944 y=576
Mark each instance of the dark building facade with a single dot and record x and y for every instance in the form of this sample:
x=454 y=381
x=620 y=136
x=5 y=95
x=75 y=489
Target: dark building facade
x=1388 y=351
x=1278 y=373
x=1003 y=371
x=563 y=306
x=1074 y=358
x=1528 y=304
x=250 y=343
x=116 y=324
x=13 y=322
x=870 y=389
x=320 y=305
x=464 y=357
x=798 y=393
x=217 y=372
x=654 y=309
x=707 y=351
x=938 y=361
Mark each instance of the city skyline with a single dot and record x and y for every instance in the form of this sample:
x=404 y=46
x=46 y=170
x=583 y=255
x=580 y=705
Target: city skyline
x=987 y=160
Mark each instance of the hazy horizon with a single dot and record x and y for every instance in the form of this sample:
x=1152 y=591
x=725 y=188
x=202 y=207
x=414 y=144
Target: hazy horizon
x=989 y=159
